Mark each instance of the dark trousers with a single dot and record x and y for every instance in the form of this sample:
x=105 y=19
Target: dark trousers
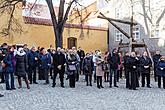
x=32 y=74
x=72 y=80
x=155 y=75
x=45 y=72
x=77 y=74
x=106 y=76
x=119 y=75
x=9 y=76
x=99 y=81
x=147 y=77
x=94 y=75
x=2 y=77
x=115 y=77
x=127 y=76
x=88 y=79
x=159 y=81
x=61 y=75
x=51 y=73
x=133 y=80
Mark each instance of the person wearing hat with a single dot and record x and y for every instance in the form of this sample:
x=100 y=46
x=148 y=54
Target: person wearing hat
x=21 y=67
x=161 y=71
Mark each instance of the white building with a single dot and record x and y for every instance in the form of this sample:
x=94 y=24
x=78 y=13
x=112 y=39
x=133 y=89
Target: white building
x=149 y=16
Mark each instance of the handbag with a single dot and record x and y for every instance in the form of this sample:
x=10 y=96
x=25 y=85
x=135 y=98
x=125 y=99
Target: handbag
x=71 y=67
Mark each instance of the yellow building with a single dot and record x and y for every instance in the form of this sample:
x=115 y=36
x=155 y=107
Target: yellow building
x=39 y=32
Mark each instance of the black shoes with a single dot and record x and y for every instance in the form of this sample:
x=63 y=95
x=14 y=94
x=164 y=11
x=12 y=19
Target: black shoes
x=35 y=82
x=98 y=87
x=101 y=86
x=116 y=86
x=1 y=95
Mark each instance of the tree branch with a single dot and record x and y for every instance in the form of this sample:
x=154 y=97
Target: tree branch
x=160 y=17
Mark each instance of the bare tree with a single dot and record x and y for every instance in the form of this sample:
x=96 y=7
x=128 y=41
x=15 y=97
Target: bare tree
x=58 y=21
x=8 y=7
x=148 y=14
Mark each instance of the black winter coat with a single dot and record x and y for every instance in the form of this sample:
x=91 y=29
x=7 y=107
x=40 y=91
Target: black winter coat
x=132 y=61
x=161 y=68
x=88 y=65
x=21 y=65
x=145 y=62
x=114 y=61
x=156 y=59
x=59 y=59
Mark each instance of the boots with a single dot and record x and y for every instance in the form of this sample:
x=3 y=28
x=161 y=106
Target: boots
x=101 y=83
x=27 y=83
x=19 y=83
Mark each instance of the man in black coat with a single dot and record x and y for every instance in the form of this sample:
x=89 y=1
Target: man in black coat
x=156 y=58
x=32 y=57
x=126 y=69
x=114 y=61
x=133 y=62
x=59 y=62
x=81 y=54
x=145 y=64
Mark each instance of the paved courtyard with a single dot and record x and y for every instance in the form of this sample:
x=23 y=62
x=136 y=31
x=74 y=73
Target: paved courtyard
x=44 y=97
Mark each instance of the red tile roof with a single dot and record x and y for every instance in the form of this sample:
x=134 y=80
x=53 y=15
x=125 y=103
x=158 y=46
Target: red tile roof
x=48 y=22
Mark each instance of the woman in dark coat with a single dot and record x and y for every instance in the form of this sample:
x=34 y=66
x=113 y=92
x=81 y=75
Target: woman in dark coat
x=161 y=71
x=21 y=67
x=71 y=61
x=8 y=68
x=133 y=62
x=87 y=66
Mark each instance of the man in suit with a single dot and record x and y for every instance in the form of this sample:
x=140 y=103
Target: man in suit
x=145 y=64
x=58 y=62
x=81 y=54
x=156 y=58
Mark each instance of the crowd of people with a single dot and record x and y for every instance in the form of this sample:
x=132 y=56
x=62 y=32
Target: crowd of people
x=44 y=64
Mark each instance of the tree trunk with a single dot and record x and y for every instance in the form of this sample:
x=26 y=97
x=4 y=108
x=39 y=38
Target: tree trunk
x=58 y=26
x=59 y=37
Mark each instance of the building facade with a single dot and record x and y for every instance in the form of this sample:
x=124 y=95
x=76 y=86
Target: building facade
x=38 y=31
x=149 y=14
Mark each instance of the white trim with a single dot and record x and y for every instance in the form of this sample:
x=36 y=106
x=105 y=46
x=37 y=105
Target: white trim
x=118 y=35
x=136 y=31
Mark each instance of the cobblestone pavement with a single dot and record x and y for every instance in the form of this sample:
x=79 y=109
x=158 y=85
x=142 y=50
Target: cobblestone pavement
x=44 y=97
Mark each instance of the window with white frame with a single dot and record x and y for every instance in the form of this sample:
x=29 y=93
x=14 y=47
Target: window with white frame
x=136 y=32
x=118 y=35
x=155 y=31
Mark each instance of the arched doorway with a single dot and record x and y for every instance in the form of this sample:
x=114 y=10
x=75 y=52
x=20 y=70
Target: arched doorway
x=72 y=42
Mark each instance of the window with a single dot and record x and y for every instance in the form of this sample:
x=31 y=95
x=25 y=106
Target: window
x=72 y=42
x=136 y=32
x=119 y=35
x=155 y=31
